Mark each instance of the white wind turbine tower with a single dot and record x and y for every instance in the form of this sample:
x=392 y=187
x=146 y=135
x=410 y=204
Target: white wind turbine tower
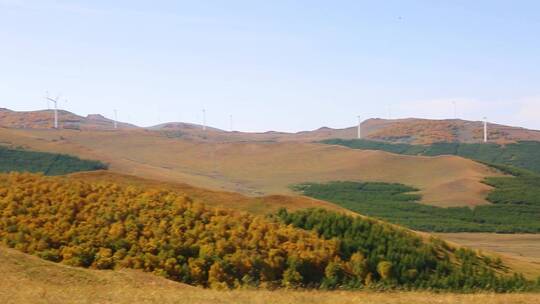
x=359 y=128
x=231 y=122
x=55 y=101
x=204 y=119
x=115 y=119
x=485 y=130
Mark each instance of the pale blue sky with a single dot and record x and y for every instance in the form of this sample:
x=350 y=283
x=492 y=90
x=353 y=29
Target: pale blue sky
x=274 y=65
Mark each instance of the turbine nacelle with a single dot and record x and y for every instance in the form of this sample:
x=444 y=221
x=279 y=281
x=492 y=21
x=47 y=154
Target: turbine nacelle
x=55 y=101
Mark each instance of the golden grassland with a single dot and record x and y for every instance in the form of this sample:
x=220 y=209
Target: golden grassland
x=261 y=205
x=28 y=279
x=520 y=251
x=260 y=168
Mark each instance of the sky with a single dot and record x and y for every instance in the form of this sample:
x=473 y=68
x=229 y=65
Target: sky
x=274 y=65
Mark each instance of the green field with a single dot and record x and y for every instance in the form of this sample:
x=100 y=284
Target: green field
x=515 y=205
x=523 y=154
x=46 y=163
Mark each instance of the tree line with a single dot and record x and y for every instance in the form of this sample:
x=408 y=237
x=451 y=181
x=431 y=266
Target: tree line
x=47 y=163
x=103 y=225
x=515 y=205
x=392 y=257
x=522 y=154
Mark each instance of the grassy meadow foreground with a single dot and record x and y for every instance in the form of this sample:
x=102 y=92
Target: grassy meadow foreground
x=50 y=283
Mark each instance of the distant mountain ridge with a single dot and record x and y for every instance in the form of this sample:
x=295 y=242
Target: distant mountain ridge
x=427 y=131
x=44 y=119
x=409 y=130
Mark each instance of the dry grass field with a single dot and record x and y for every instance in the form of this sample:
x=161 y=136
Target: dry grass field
x=28 y=279
x=261 y=205
x=521 y=251
x=261 y=168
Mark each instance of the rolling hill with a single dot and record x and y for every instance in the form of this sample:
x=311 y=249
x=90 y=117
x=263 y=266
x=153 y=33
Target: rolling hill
x=410 y=130
x=521 y=154
x=260 y=205
x=51 y=283
x=427 y=131
x=66 y=120
x=103 y=225
x=514 y=208
x=46 y=163
x=261 y=168
x=264 y=169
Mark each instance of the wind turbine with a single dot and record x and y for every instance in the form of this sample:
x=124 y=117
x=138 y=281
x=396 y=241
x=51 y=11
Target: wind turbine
x=231 y=122
x=55 y=101
x=115 y=119
x=485 y=130
x=359 y=127
x=204 y=119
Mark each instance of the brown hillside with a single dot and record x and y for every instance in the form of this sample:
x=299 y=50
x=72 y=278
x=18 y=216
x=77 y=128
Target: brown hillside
x=412 y=130
x=425 y=131
x=261 y=168
x=66 y=120
x=258 y=205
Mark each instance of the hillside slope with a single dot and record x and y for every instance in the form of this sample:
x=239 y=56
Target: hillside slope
x=103 y=225
x=427 y=131
x=515 y=206
x=410 y=130
x=28 y=280
x=522 y=154
x=261 y=205
x=46 y=163
x=520 y=255
x=520 y=251
x=259 y=168
x=44 y=119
